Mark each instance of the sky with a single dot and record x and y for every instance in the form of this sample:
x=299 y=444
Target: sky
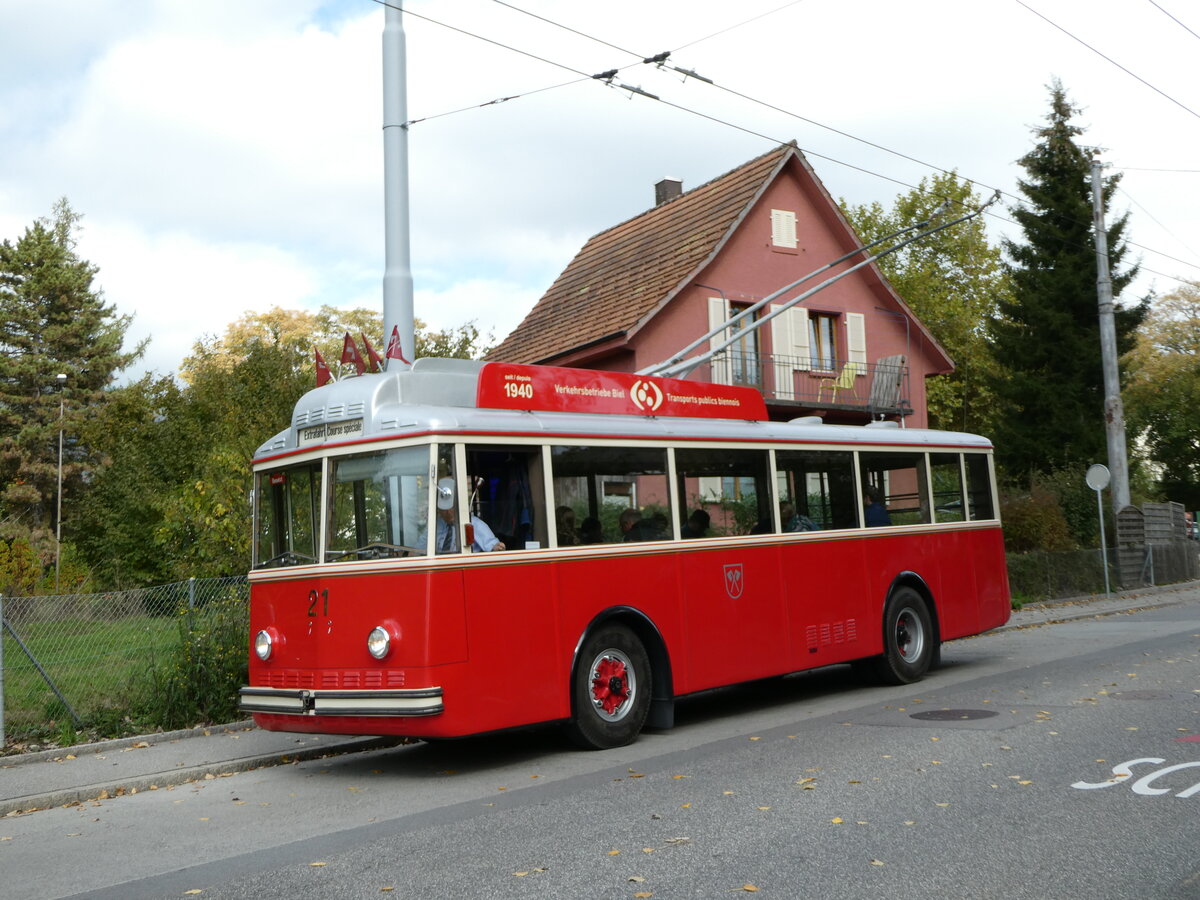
x=226 y=156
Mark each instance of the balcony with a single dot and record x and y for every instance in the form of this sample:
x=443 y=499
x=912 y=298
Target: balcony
x=878 y=390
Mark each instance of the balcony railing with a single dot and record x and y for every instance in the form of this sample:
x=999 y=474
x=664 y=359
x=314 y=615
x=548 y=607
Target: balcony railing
x=879 y=388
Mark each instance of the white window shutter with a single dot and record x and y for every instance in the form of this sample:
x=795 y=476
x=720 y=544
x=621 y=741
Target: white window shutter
x=718 y=315
x=856 y=341
x=783 y=228
x=801 y=347
x=781 y=351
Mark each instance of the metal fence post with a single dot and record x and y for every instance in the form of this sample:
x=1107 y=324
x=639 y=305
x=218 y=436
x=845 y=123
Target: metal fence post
x=191 y=593
x=1 y=671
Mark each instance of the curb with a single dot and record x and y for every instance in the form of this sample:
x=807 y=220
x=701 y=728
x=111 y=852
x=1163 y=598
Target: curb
x=175 y=777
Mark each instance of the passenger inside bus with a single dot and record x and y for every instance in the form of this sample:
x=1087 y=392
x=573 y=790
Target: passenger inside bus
x=696 y=525
x=447 y=532
x=790 y=520
x=564 y=516
x=634 y=527
x=591 y=531
x=874 y=512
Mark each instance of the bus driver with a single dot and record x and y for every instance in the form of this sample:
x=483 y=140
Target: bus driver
x=447 y=533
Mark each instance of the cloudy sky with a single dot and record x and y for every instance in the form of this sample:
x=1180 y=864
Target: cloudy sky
x=227 y=155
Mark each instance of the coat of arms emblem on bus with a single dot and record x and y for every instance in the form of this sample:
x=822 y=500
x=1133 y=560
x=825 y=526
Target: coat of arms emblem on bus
x=734 y=581
x=646 y=395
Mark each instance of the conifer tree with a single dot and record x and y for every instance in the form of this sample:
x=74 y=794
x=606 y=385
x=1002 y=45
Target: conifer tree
x=52 y=320
x=1047 y=338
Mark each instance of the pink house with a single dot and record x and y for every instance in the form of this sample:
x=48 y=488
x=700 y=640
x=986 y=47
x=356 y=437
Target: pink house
x=639 y=292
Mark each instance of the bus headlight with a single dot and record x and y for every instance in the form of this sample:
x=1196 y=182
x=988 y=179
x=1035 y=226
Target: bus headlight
x=264 y=643
x=379 y=642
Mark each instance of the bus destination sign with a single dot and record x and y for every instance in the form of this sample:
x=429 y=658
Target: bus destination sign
x=328 y=432
x=553 y=389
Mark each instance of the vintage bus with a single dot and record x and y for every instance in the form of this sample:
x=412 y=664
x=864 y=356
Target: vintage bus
x=463 y=547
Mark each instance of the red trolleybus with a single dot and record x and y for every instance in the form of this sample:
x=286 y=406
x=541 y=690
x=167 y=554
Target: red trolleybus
x=462 y=547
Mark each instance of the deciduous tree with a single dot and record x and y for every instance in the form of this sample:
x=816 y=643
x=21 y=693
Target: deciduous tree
x=1163 y=393
x=952 y=280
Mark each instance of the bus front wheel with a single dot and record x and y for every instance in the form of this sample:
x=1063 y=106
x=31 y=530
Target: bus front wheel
x=907 y=638
x=610 y=689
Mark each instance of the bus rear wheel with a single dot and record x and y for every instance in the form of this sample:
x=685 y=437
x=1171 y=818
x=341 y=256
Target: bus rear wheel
x=610 y=689
x=907 y=638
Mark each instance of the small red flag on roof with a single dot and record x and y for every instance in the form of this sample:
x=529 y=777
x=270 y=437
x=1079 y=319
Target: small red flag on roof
x=350 y=354
x=324 y=376
x=394 y=350
x=374 y=360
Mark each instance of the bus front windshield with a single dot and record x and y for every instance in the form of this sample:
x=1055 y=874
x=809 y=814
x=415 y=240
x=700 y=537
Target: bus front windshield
x=379 y=504
x=287 y=512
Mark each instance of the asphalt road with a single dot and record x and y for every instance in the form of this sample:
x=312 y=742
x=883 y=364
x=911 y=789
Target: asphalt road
x=998 y=776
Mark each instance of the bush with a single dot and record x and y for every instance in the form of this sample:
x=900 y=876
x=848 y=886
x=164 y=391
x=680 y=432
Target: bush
x=199 y=681
x=1035 y=521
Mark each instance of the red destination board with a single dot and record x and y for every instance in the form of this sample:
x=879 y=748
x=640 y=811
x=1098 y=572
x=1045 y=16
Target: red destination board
x=552 y=389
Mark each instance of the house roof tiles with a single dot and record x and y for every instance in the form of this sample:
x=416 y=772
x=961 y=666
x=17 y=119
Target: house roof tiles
x=627 y=271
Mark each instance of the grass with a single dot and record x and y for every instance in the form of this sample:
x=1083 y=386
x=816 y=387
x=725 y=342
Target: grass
x=96 y=665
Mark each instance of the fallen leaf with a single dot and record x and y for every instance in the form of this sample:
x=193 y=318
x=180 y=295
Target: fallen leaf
x=764 y=808
x=910 y=822
x=637 y=879
x=755 y=739
x=614 y=852
x=386 y=890
x=641 y=895
x=836 y=820
x=677 y=777
x=317 y=865
x=520 y=874
x=685 y=806
x=749 y=889
x=194 y=891
x=877 y=862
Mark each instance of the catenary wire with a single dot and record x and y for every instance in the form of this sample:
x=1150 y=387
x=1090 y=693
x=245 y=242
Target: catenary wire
x=1173 y=19
x=607 y=77
x=1108 y=58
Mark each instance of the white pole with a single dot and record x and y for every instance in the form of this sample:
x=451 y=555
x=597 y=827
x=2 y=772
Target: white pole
x=1114 y=411
x=61 y=378
x=397 y=276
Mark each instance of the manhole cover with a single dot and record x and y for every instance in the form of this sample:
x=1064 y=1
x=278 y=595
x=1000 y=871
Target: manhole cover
x=945 y=715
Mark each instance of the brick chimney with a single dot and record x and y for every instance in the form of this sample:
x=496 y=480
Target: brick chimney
x=667 y=189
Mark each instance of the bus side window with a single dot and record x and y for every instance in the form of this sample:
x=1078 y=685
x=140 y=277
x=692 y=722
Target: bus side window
x=946 y=471
x=817 y=487
x=506 y=493
x=900 y=478
x=979 y=487
x=730 y=486
x=614 y=495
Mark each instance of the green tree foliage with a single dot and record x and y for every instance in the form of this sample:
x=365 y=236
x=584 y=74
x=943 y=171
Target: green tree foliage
x=173 y=500
x=52 y=320
x=1047 y=340
x=1163 y=393
x=953 y=281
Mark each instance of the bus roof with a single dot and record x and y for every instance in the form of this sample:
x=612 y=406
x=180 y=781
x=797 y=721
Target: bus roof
x=453 y=396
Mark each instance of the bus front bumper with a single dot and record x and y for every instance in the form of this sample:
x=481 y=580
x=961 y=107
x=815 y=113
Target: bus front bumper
x=413 y=702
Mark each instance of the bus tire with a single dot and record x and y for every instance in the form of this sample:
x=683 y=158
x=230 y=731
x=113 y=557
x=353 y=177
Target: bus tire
x=610 y=689
x=907 y=638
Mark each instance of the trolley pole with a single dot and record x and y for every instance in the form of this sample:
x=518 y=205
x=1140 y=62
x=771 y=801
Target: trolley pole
x=1114 y=412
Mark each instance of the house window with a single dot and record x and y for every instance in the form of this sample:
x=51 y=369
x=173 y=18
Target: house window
x=822 y=344
x=783 y=228
x=743 y=353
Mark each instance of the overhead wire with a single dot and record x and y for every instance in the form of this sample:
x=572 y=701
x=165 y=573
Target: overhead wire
x=660 y=60
x=1073 y=37
x=1173 y=19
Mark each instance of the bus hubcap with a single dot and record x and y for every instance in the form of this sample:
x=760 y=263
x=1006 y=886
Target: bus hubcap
x=612 y=683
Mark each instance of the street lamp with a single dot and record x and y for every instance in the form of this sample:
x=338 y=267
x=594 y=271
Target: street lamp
x=61 y=378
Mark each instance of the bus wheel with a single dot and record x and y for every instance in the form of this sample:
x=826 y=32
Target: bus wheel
x=907 y=639
x=610 y=691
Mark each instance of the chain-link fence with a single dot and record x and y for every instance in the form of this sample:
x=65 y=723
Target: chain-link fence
x=1038 y=576
x=86 y=662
